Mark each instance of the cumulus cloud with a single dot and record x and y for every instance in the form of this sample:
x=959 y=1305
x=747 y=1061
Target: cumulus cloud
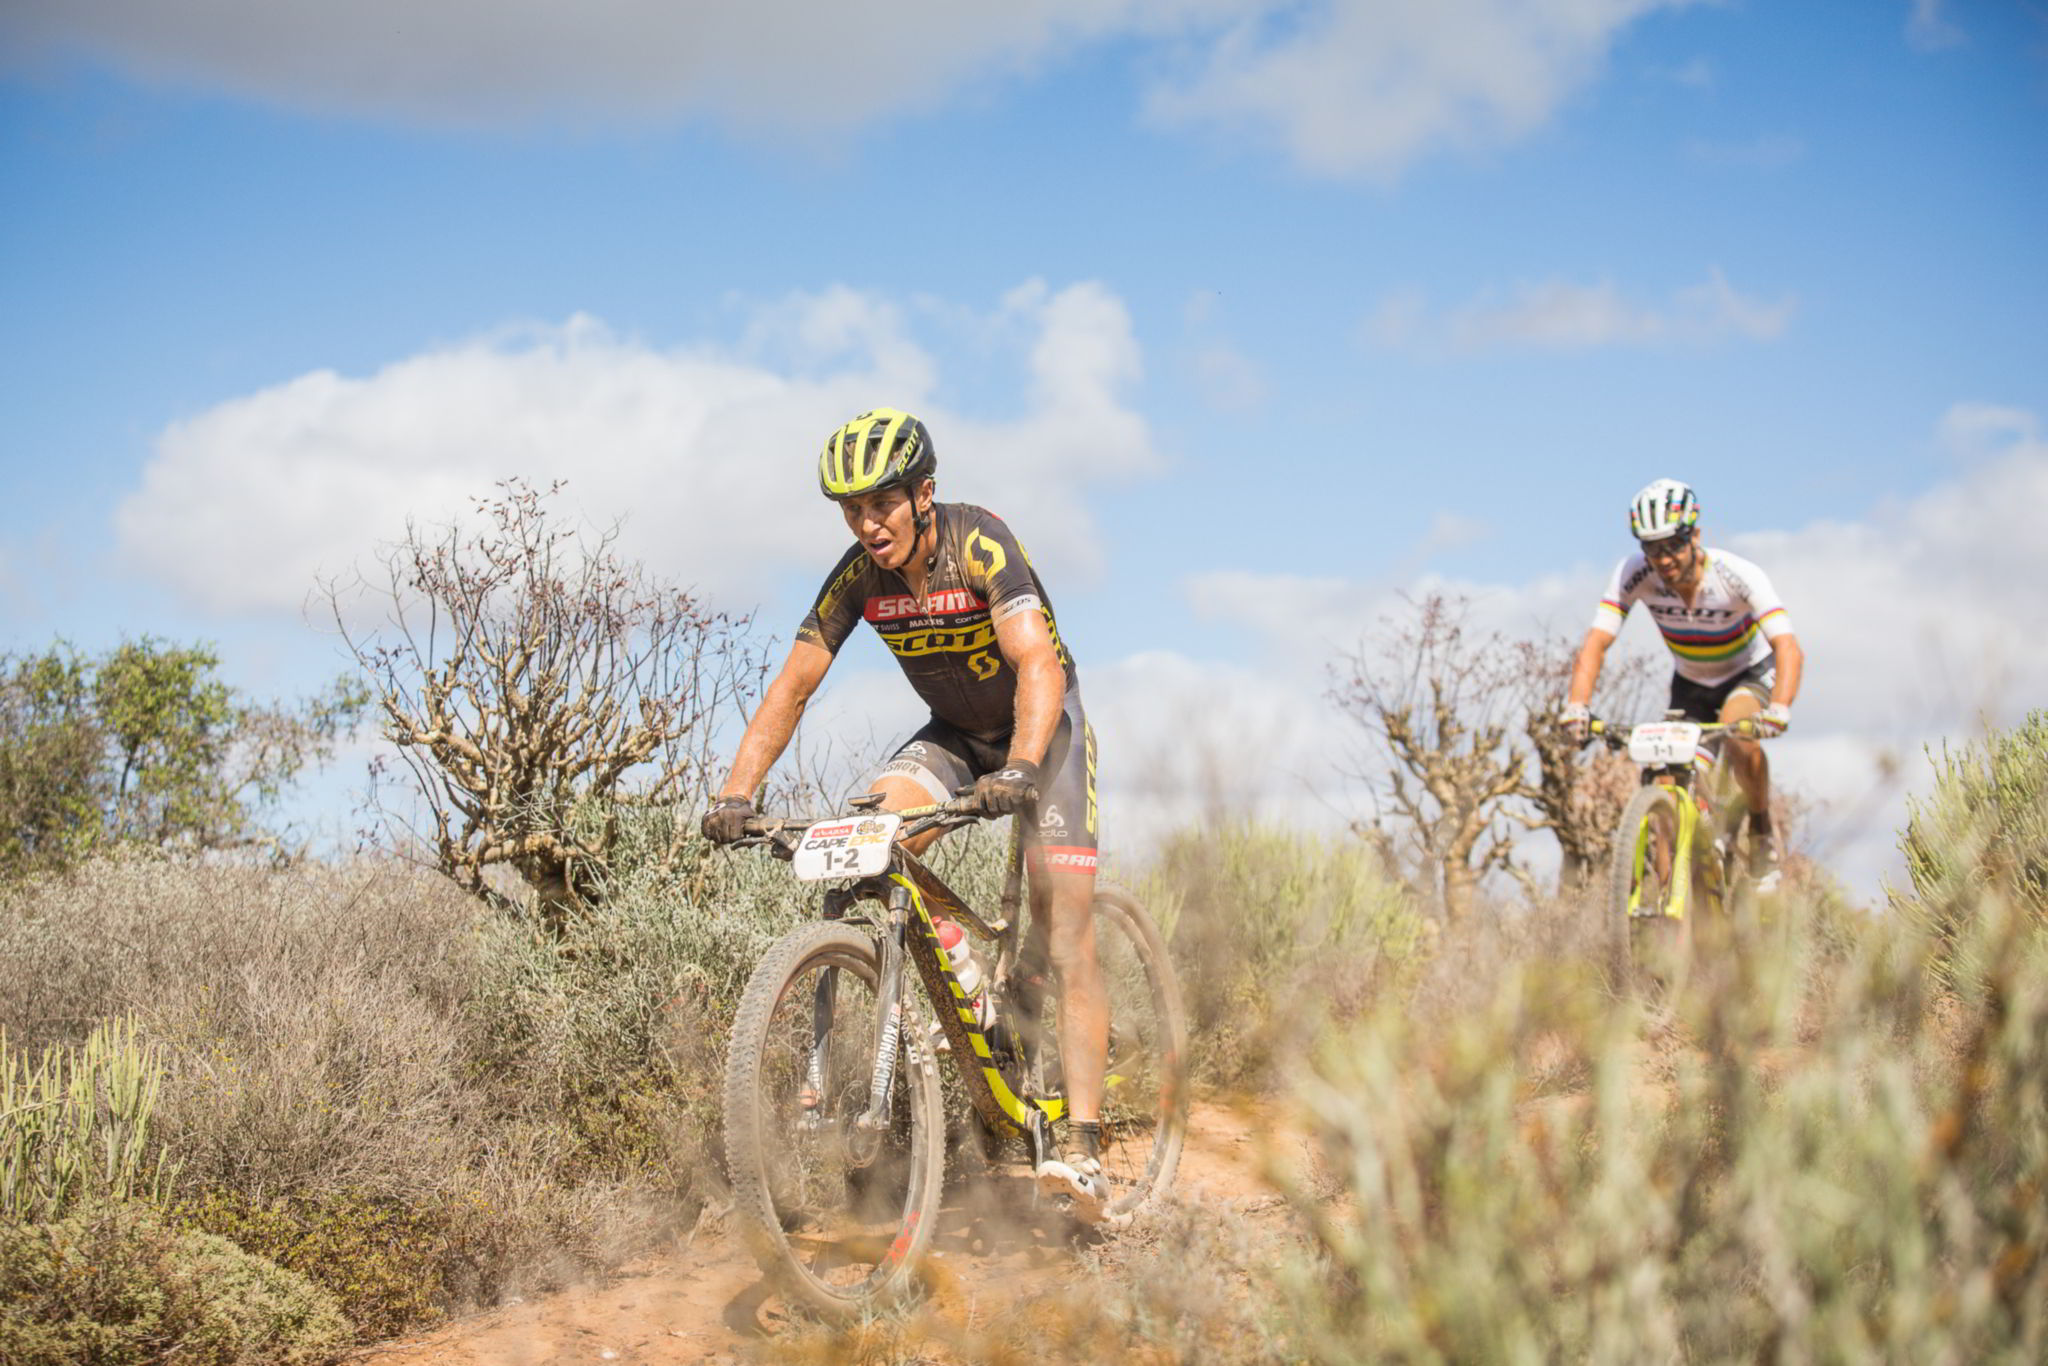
x=1184 y=740
x=772 y=63
x=245 y=506
x=1920 y=621
x=1558 y=315
x=1366 y=86
x=1929 y=30
x=1342 y=86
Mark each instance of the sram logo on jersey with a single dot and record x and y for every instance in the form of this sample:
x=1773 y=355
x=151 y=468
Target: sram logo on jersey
x=901 y=605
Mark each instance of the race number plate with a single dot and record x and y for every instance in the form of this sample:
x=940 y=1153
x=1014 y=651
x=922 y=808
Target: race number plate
x=854 y=846
x=1664 y=742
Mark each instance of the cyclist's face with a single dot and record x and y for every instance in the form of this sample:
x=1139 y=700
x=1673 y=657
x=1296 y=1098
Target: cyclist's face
x=1673 y=557
x=885 y=524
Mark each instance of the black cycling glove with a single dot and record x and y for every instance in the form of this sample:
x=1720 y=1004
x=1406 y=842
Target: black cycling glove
x=727 y=819
x=1011 y=788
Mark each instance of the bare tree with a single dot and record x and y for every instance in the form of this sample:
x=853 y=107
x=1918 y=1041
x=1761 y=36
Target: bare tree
x=1470 y=723
x=1443 y=705
x=1579 y=791
x=528 y=676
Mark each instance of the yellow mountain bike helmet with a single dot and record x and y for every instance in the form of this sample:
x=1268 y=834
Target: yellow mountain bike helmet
x=880 y=449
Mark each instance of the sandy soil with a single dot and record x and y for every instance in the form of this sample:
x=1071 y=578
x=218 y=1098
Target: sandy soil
x=707 y=1303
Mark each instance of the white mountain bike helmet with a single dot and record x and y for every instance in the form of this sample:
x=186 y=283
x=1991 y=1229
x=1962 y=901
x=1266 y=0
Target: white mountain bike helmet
x=1663 y=509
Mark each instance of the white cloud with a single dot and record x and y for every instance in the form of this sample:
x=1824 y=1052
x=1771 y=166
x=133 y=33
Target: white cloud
x=767 y=64
x=1559 y=315
x=1227 y=379
x=1367 y=86
x=1342 y=86
x=1920 y=621
x=1929 y=30
x=243 y=507
x=1183 y=740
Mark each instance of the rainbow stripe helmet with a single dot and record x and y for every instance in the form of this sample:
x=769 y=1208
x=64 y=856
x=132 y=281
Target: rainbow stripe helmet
x=882 y=448
x=1663 y=509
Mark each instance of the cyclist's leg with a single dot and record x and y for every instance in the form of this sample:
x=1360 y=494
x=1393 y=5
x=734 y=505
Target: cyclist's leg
x=927 y=768
x=1062 y=854
x=1746 y=697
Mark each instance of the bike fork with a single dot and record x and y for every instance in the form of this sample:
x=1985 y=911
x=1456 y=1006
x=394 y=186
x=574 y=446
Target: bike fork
x=812 y=1097
x=889 y=1015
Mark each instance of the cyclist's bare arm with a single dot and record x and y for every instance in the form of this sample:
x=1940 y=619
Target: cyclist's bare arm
x=774 y=721
x=1026 y=645
x=1586 y=666
x=1790 y=662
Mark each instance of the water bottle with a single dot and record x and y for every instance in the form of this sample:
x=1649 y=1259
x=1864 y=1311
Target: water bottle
x=960 y=957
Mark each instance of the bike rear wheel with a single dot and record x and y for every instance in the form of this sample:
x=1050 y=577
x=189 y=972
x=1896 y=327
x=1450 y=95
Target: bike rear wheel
x=838 y=1213
x=1145 y=1093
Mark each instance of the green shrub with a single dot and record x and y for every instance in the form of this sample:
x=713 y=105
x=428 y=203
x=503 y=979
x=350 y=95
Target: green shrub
x=114 y=1285
x=1263 y=920
x=76 y=1125
x=1853 y=1174
x=390 y=1267
x=1982 y=832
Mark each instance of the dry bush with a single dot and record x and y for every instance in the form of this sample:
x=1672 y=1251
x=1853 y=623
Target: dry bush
x=369 y=1081
x=1272 y=931
x=1714 y=1189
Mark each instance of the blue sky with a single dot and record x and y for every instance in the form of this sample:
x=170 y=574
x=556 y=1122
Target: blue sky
x=1248 y=315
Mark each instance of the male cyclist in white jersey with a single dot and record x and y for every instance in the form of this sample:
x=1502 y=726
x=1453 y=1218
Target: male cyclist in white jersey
x=952 y=594
x=1730 y=637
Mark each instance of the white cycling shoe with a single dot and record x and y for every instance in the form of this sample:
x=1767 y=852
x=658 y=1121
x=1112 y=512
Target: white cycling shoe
x=1765 y=865
x=1079 y=1180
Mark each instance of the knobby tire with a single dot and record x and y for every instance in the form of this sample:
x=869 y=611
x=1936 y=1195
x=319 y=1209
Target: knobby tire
x=1145 y=1103
x=1641 y=944
x=839 y=1217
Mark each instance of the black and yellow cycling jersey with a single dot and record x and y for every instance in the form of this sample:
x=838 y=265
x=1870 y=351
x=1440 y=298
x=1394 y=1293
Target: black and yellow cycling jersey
x=945 y=643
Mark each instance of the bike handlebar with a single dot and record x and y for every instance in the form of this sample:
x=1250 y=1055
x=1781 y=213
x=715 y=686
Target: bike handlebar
x=963 y=809
x=1617 y=737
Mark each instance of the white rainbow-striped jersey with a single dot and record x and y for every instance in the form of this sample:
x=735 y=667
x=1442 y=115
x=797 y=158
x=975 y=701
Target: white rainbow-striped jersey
x=1728 y=626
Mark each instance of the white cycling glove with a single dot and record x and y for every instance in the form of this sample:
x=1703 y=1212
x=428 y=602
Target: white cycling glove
x=1775 y=719
x=1577 y=720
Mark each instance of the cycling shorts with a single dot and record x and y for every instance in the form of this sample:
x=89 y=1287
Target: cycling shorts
x=941 y=758
x=1702 y=702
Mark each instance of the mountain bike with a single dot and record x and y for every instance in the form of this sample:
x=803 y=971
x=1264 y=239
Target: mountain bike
x=835 y=1133
x=1681 y=846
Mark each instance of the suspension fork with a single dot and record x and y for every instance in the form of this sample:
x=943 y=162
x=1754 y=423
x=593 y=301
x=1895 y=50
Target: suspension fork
x=812 y=1097
x=888 y=1014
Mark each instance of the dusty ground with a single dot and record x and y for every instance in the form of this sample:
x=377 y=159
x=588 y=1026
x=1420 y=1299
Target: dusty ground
x=707 y=1302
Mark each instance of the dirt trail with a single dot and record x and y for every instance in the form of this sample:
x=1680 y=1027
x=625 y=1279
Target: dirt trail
x=708 y=1304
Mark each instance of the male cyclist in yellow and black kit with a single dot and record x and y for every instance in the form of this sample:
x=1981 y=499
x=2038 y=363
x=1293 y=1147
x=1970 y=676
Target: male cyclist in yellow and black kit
x=1731 y=642
x=954 y=598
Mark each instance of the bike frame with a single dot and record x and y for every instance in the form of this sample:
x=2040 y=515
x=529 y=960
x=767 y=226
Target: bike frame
x=1680 y=777
x=913 y=898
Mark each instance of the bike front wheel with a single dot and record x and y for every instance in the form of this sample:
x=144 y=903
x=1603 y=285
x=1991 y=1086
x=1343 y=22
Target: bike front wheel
x=835 y=1208
x=1645 y=924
